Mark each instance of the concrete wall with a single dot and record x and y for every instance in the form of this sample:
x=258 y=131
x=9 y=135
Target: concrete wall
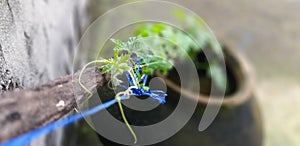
x=37 y=42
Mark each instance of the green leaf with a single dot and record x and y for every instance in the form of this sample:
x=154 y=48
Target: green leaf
x=118 y=44
x=124 y=58
x=105 y=68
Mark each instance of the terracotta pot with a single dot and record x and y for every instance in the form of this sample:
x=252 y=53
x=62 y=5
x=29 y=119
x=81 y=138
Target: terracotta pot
x=237 y=123
x=239 y=120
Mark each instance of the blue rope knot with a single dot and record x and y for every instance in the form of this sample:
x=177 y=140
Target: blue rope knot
x=157 y=95
x=138 y=89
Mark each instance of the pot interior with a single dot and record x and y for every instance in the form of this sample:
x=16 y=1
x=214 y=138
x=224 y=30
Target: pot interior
x=205 y=80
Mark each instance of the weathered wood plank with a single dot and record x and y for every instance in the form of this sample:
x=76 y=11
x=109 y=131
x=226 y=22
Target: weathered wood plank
x=27 y=109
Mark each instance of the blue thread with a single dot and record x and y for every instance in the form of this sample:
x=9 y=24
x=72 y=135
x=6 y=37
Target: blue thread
x=144 y=81
x=157 y=95
x=158 y=91
x=28 y=137
x=129 y=79
x=138 y=70
x=160 y=98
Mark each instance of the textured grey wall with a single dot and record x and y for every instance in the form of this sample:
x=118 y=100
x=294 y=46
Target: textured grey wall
x=37 y=42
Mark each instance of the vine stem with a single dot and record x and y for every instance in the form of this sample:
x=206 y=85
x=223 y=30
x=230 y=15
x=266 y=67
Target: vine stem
x=127 y=92
x=147 y=64
x=80 y=75
x=126 y=122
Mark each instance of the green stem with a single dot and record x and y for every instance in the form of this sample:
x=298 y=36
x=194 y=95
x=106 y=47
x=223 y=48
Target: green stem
x=147 y=64
x=80 y=75
x=135 y=82
x=119 y=101
x=126 y=122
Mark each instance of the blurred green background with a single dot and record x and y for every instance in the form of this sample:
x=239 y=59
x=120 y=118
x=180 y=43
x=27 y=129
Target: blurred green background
x=267 y=32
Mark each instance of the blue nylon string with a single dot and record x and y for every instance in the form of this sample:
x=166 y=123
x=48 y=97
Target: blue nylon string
x=138 y=70
x=144 y=81
x=28 y=137
x=129 y=79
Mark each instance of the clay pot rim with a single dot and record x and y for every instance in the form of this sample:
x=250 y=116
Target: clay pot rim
x=243 y=73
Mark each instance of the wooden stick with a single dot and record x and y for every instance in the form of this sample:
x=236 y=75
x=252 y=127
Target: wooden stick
x=24 y=110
